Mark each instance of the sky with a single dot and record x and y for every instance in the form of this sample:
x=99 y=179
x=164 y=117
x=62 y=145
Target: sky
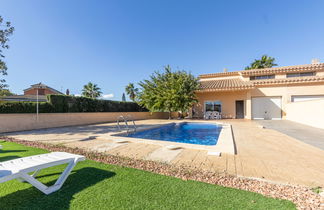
x=68 y=43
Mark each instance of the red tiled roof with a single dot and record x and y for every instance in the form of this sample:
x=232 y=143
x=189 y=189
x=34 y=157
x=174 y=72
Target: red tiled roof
x=238 y=84
x=293 y=80
x=283 y=69
x=221 y=74
x=225 y=84
x=41 y=85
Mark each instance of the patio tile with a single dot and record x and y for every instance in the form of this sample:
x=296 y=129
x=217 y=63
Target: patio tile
x=134 y=150
x=261 y=153
x=163 y=154
x=185 y=157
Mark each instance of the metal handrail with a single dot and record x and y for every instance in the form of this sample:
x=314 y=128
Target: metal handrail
x=126 y=123
x=124 y=119
x=129 y=117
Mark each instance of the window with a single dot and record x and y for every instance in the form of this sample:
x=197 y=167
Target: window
x=301 y=74
x=211 y=106
x=272 y=76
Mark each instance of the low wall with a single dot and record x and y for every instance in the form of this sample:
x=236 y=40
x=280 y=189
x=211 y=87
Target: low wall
x=21 y=122
x=307 y=112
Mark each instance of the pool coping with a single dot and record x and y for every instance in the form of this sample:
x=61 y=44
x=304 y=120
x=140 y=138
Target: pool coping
x=225 y=143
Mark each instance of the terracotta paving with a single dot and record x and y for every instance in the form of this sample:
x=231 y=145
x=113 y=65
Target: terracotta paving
x=261 y=153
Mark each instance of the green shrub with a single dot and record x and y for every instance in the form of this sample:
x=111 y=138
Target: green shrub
x=25 y=107
x=63 y=103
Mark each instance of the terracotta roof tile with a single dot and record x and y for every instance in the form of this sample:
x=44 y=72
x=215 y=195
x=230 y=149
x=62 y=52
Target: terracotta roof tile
x=225 y=84
x=221 y=74
x=293 y=80
x=238 y=84
x=283 y=69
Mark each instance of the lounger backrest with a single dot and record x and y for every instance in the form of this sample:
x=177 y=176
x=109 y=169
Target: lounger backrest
x=36 y=162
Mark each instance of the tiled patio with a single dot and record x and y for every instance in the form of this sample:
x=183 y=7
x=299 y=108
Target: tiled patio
x=261 y=153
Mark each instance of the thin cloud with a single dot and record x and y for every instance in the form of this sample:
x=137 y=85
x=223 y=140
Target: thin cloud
x=106 y=96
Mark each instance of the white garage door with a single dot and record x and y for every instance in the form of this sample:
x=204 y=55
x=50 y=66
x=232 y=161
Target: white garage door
x=268 y=108
x=306 y=98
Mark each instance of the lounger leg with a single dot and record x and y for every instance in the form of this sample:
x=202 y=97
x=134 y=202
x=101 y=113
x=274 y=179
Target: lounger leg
x=58 y=184
x=35 y=173
x=65 y=174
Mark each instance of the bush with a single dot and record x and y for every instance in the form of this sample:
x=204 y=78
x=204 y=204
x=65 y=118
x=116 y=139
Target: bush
x=25 y=107
x=63 y=103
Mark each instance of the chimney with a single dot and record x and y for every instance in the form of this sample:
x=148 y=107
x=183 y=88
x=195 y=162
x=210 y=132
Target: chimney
x=315 y=61
x=225 y=70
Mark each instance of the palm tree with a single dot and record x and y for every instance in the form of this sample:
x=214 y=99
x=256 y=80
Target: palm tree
x=91 y=90
x=131 y=91
x=264 y=62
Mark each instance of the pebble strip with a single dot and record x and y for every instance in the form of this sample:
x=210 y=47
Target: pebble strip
x=303 y=197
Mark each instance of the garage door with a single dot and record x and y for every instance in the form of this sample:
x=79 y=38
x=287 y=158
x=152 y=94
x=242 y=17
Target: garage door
x=306 y=98
x=268 y=108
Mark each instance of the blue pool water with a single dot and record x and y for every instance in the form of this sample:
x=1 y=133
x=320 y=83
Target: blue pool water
x=192 y=133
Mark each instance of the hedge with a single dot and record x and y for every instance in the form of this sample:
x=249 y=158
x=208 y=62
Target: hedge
x=25 y=107
x=63 y=104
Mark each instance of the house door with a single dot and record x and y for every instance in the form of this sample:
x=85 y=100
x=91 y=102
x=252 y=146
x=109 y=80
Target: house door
x=239 y=107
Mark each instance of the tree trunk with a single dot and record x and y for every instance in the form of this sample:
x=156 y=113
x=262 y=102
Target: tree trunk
x=169 y=115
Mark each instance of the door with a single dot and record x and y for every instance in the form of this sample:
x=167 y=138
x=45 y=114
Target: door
x=239 y=109
x=267 y=108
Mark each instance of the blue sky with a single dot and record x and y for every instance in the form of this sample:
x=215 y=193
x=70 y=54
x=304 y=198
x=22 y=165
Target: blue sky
x=66 y=44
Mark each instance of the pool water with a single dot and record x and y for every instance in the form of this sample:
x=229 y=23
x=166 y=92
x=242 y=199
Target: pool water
x=191 y=133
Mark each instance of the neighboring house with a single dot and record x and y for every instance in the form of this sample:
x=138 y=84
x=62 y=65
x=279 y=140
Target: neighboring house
x=259 y=93
x=30 y=94
x=42 y=90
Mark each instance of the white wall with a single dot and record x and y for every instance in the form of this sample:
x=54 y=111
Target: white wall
x=307 y=112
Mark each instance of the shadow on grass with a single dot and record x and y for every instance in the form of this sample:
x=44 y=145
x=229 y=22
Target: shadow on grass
x=32 y=198
x=8 y=158
x=7 y=151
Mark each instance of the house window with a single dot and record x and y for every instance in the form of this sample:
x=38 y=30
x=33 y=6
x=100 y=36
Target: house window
x=301 y=74
x=272 y=76
x=211 y=106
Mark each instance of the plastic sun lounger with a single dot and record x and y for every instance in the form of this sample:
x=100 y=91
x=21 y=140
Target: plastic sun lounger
x=19 y=169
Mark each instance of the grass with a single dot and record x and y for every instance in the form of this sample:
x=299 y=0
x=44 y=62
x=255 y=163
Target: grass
x=94 y=185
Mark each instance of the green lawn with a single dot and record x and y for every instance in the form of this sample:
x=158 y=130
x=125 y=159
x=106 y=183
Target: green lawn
x=94 y=185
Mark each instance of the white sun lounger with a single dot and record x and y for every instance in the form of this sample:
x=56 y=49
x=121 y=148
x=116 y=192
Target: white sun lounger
x=19 y=169
x=0 y=146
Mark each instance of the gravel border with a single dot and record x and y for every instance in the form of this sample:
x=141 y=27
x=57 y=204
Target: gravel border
x=303 y=197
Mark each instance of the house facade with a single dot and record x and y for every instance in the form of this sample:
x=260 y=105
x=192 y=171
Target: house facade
x=259 y=93
x=36 y=92
x=42 y=89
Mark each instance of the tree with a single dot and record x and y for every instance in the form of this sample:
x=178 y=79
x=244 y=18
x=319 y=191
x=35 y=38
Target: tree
x=91 y=90
x=124 y=97
x=168 y=91
x=264 y=62
x=131 y=91
x=6 y=92
x=67 y=92
x=6 y=30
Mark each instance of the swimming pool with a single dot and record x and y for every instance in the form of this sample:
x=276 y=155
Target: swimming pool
x=190 y=133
